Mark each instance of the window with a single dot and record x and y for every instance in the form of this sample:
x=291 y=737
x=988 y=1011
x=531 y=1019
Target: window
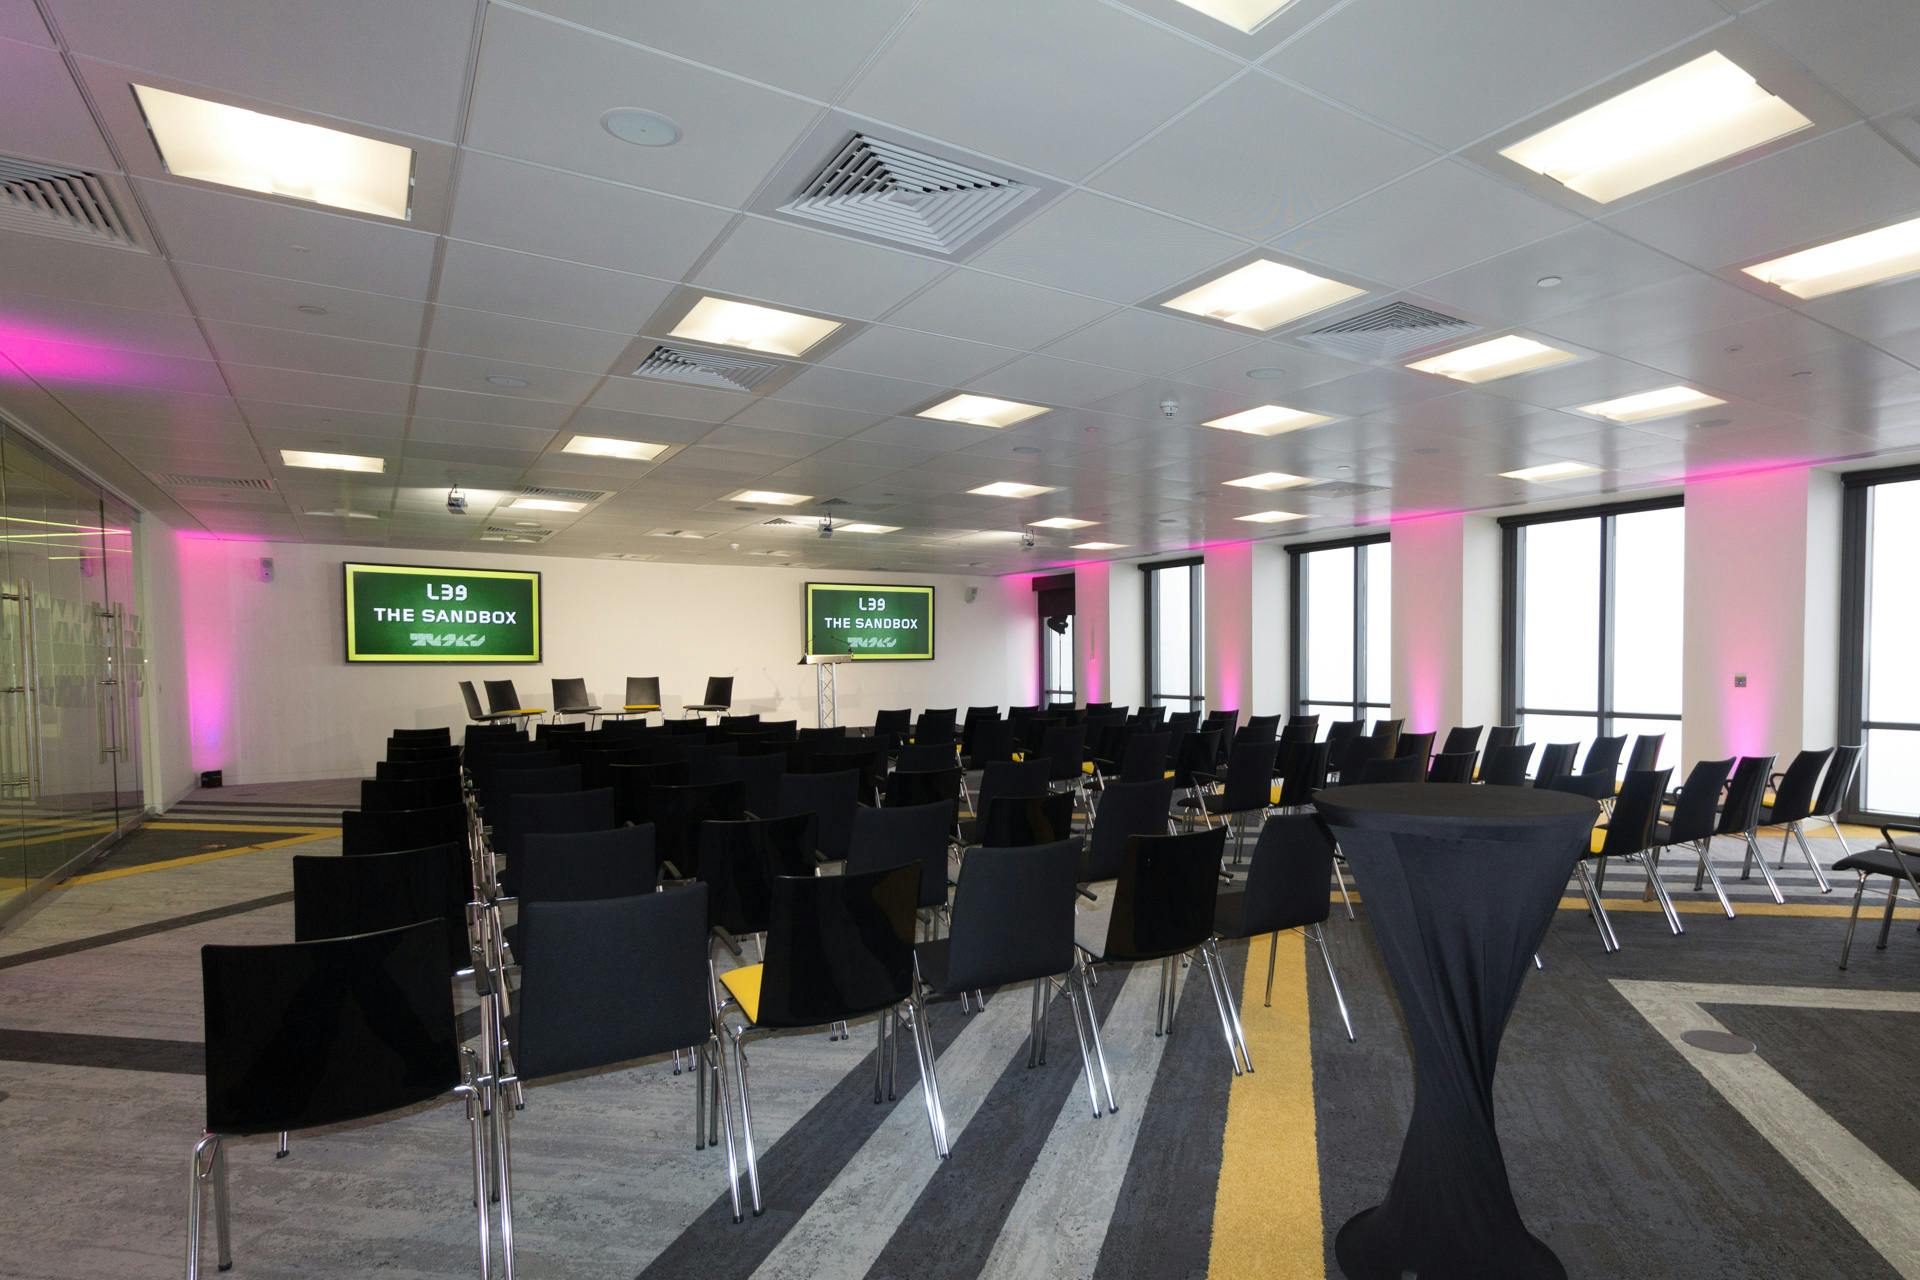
x=1342 y=629
x=1593 y=644
x=1880 y=690
x=1175 y=635
x=1053 y=597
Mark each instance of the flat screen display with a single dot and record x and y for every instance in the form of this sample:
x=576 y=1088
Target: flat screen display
x=413 y=613
x=869 y=622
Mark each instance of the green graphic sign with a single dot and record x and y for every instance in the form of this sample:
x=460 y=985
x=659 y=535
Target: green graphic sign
x=873 y=623
x=407 y=613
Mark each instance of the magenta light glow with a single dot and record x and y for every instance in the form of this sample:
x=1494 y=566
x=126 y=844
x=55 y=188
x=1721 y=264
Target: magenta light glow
x=1229 y=569
x=1426 y=579
x=207 y=636
x=48 y=354
x=1091 y=623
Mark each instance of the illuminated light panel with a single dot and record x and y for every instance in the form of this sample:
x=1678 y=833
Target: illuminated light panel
x=1064 y=522
x=866 y=528
x=768 y=497
x=1268 y=420
x=1494 y=359
x=1271 y=517
x=982 y=411
x=1099 y=546
x=545 y=504
x=1245 y=16
x=342 y=513
x=742 y=324
x=1694 y=115
x=1011 y=489
x=332 y=461
x=1551 y=471
x=608 y=447
x=1268 y=481
x=234 y=147
x=990 y=535
x=1648 y=405
x=1262 y=295
x=1839 y=265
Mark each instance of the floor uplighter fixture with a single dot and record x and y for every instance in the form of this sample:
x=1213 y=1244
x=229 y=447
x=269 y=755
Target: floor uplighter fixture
x=1839 y=265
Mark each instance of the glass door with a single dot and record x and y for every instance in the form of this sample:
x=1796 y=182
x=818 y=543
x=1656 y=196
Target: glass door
x=125 y=687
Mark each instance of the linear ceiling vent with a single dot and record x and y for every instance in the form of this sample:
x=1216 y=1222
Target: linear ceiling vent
x=625 y=555
x=1341 y=489
x=563 y=495
x=678 y=533
x=69 y=203
x=179 y=481
x=890 y=192
x=704 y=369
x=1387 y=333
x=514 y=533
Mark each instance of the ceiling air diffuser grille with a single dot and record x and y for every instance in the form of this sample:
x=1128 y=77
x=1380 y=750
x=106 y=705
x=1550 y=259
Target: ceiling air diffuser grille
x=514 y=533
x=180 y=481
x=894 y=193
x=563 y=495
x=1341 y=489
x=704 y=369
x=69 y=203
x=1387 y=333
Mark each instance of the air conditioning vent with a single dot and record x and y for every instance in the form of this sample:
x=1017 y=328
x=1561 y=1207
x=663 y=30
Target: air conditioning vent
x=705 y=369
x=1387 y=333
x=889 y=192
x=180 y=481
x=832 y=502
x=514 y=533
x=781 y=522
x=70 y=203
x=679 y=533
x=1340 y=489
x=625 y=555
x=563 y=495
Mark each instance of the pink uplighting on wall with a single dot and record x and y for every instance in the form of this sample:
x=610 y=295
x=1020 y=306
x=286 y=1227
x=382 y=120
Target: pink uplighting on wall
x=1091 y=626
x=1229 y=629
x=208 y=643
x=1426 y=603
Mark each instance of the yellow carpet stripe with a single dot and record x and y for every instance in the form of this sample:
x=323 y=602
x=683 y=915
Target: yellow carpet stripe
x=166 y=825
x=1266 y=1210
x=122 y=872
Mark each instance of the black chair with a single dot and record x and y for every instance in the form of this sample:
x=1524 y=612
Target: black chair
x=423 y=793
x=993 y=743
x=642 y=698
x=1456 y=766
x=1286 y=888
x=935 y=725
x=1415 y=744
x=1556 y=762
x=1794 y=794
x=436 y=737
x=1303 y=771
x=1127 y=809
x=1740 y=816
x=892 y=725
x=615 y=979
x=1896 y=858
x=696 y=728
x=1008 y=822
x=747 y=720
x=758 y=775
x=1507 y=764
x=1246 y=793
x=1646 y=752
x=832 y=798
x=970 y=726
x=703 y=758
x=479 y=715
x=475 y=734
x=557 y=733
x=1300 y=729
x=921 y=834
x=1393 y=769
x=392 y=830
x=739 y=860
x=1388 y=732
x=920 y=756
x=403 y=752
x=305 y=1034
x=1065 y=747
x=416 y=770
x=1502 y=735
x=866 y=757
x=596 y=764
x=1194 y=766
x=718 y=698
x=1006 y=778
x=838 y=948
x=1695 y=811
x=1162 y=907
x=570 y=698
x=677 y=812
x=1013 y=922
x=548 y=813
x=1144 y=759
x=1351 y=754
x=1462 y=738
x=910 y=788
x=633 y=785
x=1628 y=834
x=1834 y=786
x=578 y=866
x=1268 y=726
x=1598 y=777
x=1341 y=731
x=336 y=897
x=501 y=699
x=828 y=733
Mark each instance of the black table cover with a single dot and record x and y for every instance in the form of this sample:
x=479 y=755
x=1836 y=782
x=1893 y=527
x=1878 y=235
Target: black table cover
x=1460 y=883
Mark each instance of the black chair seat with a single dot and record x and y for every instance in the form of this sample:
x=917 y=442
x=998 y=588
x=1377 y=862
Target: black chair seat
x=1884 y=861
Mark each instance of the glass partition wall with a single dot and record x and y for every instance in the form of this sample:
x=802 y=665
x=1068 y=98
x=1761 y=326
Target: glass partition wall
x=72 y=670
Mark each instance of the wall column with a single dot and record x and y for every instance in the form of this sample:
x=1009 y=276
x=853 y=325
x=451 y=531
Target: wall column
x=1092 y=634
x=1446 y=622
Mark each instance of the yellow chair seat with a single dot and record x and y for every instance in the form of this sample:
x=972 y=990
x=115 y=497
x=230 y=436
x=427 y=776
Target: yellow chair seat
x=743 y=984
x=1598 y=840
x=1019 y=756
x=641 y=706
x=1086 y=767
x=1167 y=774
x=1273 y=796
x=523 y=711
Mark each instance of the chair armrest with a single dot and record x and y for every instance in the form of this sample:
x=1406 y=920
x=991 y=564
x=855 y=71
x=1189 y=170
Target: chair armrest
x=672 y=871
x=1086 y=893
x=1887 y=830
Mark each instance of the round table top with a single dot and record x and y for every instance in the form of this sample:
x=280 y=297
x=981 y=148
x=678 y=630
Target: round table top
x=1420 y=804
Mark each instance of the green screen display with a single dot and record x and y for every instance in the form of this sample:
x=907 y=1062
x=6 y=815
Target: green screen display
x=873 y=623
x=407 y=613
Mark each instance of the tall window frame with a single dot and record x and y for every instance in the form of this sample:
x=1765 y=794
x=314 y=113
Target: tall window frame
x=1860 y=720
x=1054 y=601
x=1157 y=696
x=1607 y=714
x=1367 y=702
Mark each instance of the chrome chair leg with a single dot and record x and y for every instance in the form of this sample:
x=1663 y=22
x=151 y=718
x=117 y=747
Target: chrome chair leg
x=1845 y=851
x=1340 y=879
x=746 y=1116
x=1160 y=1009
x=503 y=1175
x=1705 y=848
x=1318 y=933
x=1853 y=921
x=1093 y=1034
x=1226 y=1027
x=724 y=1105
x=479 y=1125
x=1651 y=863
x=1806 y=851
x=1080 y=1034
x=1886 y=921
x=1608 y=941
x=209 y=1166
x=280 y=1151
x=1233 y=1008
x=929 y=1081
x=1033 y=1026
x=1273 y=959
x=1766 y=873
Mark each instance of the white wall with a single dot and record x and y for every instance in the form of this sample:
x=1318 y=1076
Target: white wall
x=1446 y=622
x=166 y=743
x=271 y=697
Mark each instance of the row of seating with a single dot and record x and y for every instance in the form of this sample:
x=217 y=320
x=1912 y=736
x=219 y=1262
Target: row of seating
x=570 y=698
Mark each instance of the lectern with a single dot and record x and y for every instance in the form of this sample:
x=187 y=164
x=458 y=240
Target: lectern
x=824 y=692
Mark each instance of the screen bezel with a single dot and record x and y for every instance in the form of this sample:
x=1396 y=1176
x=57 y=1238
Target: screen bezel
x=346 y=621
x=806 y=618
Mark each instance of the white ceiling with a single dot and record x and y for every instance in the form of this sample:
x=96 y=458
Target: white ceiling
x=1358 y=137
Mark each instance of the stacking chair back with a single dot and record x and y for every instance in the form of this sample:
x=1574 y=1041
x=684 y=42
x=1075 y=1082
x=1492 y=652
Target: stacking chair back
x=1163 y=904
x=1145 y=757
x=1012 y=916
x=719 y=692
x=703 y=758
x=1197 y=755
x=1268 y=725
x=553 y=734
x=1556 y=762
x=688 y=729
x=528 y=774
x=596 y=763
x=575 y=866
x=501 y=697
x=440 y=737
x=780 y=730
x=1503 y=735
x=1249 y=785
x=935 y=725
x=1287 y=878
x=920 y=834
x=1184 y=722
x=970 y=725
x=893 y=724
x=1793 y=798
x=633 y=786
x=1300 y=729
x=422 y=793
x=570 y=696
x=917 y=756
x=1630 y=828
x=678 y=811
x=415 y=770
x=1837 y=781
x=338 y=897
x=1603 y=757
x=643 y=693
x=1065 y=747
x=759 y=775
x=1746 y=791
x=548 y=813
x=1351 y=754
x=413 y=752
x=476 y=713
x=739 y=858
x=1392 y=769
x=1507 y=764
x=831 y=797
x=1461 y=738
x=993 y=743
x=1414 y=744
x=911 y=788
x=1698 y=807
x=839 y=947
x=1646 y=751
x=1013 y=778
x=828 y=733
x=613 y=979
x=395 y=829
x=1388 y=731
x=1303 y=771
x=477 y=734
x=748 y=720
x=1455 y=766
x=1340 y=731
x=1007 y=822
x=866 y=757
x=1127 y=809
x=1151 y=717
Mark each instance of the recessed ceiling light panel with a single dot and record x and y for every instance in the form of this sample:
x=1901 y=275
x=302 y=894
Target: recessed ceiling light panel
x=1268 y=420
x=545 y=504
x=727 y=323
x=1648 y=405
x=1245 y=16
x=1064 y=522
x=235 y=147
x=608 y=447
x=1839 y=265
x=768 y=497
x=1494 y=359
x=1262 y=295
x=1268 y=481
x=981 y=411
x=332 y=461
x=867 y=528
x=1099 y=546
x=1550 y=471
x=1271 y=517
x=1694 y=115
x=1011 y=489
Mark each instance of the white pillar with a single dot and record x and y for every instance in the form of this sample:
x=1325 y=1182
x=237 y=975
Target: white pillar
x=1228 y=610
x=1092 y=634
x=1126 y=635
x=1446 y=622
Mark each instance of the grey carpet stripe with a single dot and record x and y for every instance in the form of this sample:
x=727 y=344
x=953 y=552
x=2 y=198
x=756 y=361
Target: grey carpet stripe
x=116 y=1053
x=1162 y=1220
x=142 y=931
x=954 y=1225
x=794 y=1171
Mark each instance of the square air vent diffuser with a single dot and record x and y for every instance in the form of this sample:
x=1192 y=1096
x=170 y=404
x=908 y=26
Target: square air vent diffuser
x=704 y=369
x=1388 y=332
x=515 y=533
x=70 y=203
x=562 y=495
x=886 y=191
